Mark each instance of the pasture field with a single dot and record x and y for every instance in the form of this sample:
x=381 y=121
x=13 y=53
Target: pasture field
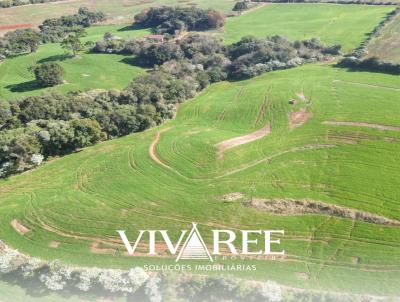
x=169 y=176
x=117 y=11
x=88 y=71
x=347 y=24
x=387 y=45
x=329 y=22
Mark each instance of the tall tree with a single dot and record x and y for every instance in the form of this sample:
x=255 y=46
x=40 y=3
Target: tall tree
x=23 y=40
x=72 y=43
x=48 y=74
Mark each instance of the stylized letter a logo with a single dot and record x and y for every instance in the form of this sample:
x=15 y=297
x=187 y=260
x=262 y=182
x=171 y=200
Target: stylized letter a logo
x=194 y=247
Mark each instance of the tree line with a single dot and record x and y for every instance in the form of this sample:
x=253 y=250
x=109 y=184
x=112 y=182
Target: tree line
x=23 y=41
x=358 y=59
x=37 y=127
x=11 y=3
x=173 y=20
x=370 y=64
x=244 y=59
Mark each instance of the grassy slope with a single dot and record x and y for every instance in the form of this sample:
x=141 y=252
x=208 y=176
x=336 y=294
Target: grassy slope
x=343 y=24
x=387 y=45
x=118 y=11
x=89 y=71
x=117 y=183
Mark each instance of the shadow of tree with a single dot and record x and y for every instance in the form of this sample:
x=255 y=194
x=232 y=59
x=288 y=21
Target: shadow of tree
x=135 y=61
x=24 y=87
x=132 y=27
x=62 y=57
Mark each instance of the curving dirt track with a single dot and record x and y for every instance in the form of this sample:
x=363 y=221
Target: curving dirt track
x=153 y=151
x=241 y=140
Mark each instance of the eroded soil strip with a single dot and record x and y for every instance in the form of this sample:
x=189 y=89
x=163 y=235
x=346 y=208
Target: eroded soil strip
x=153 y=152
x=298 y=118
x=301 y=207
x=362 y=124
x=240 y=140
x=16 y=26
x=21 y=229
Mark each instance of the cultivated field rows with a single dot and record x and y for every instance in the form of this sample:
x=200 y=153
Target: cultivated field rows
x=170 y=176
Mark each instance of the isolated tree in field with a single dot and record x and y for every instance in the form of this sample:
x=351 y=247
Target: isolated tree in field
x=23 y=40
x=72 y=43
x=48 y=74
x=108 y=36
x=240 y=6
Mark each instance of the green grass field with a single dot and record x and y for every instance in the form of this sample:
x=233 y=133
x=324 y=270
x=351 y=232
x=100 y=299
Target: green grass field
x=334 y=24
x=88 y=71
x=86 y=196
x=387 y=45
x=91 y=71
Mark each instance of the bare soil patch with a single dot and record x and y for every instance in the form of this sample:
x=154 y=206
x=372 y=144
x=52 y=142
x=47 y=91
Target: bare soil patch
x=54 y=244
x=232 y=196
x=96 y=249
x=302 y=276
x=302 y=207
x=16 y=26
x=298 y=118
x=20 y=228
x=301 y=96
x=362 y=124
x=240 y=140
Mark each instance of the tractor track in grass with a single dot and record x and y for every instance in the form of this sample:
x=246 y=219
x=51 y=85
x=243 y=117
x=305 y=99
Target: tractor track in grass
x=113 y=244
x=154 y=156
x=221 y=116
x=368 y=85
x=261 y=111
x=266 y=159
x=365 y=125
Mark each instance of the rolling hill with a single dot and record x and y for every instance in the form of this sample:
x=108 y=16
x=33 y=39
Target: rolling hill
x=176 y=174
